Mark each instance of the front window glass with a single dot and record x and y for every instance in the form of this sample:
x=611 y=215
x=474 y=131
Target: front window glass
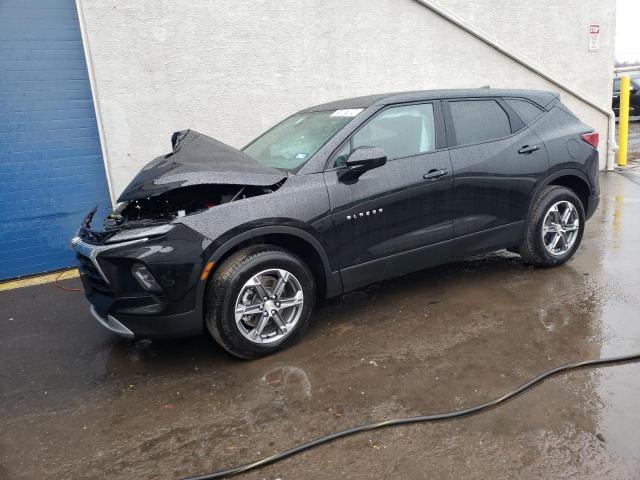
x=343 y=154
x=291 y=143
x=400 y=131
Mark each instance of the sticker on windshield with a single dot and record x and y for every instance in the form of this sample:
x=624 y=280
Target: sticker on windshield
x=348 y=112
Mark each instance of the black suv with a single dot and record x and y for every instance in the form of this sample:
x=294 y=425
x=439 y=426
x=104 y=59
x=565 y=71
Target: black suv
x=634 y=96
x=333 y=198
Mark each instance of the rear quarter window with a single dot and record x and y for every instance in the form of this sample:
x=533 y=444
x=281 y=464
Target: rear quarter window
x=478 y=121
x=616 y=84
x=527 y=111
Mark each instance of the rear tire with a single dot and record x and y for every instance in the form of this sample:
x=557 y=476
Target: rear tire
x=236 y=312
x=554 y=229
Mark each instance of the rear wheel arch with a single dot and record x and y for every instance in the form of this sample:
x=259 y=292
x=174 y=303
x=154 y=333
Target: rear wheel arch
x=576 y=184
x=540 y=235
x=574 y=180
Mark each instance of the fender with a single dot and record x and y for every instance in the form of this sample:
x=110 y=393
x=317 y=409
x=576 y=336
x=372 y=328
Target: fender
x=333 y=280
x=567 y=171
x=557 y=174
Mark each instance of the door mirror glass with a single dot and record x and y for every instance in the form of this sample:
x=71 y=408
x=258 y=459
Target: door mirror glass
x=366 y=158
x=363 y=159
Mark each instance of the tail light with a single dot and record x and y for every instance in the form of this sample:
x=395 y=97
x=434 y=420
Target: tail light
x=591 y=138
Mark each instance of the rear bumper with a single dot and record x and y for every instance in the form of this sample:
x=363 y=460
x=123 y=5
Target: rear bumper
x=594 y=201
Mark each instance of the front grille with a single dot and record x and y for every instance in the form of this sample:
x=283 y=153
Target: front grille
x=95 y=237
x=91 y=274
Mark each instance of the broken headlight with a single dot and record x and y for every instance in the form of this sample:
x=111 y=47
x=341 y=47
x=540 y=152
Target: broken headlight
x=137 y=233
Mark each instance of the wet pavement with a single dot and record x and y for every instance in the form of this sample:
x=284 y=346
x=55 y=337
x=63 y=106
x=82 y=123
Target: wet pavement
x=633 y=146
x=78 y=403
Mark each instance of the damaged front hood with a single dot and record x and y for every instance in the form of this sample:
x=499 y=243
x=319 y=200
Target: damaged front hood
x=197 y=160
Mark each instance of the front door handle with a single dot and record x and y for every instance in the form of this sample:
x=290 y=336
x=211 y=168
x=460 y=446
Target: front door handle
x=435 y=173
x=528 y=149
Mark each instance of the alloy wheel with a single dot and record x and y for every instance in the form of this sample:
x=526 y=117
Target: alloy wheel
x=560 y=228
x=269 y=306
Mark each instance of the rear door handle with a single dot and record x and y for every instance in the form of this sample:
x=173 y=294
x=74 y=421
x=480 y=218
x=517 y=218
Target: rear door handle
x=433 y=174
x=528 y=149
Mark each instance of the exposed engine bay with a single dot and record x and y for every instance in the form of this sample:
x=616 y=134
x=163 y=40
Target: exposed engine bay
x=200 y=173
x=179 y=202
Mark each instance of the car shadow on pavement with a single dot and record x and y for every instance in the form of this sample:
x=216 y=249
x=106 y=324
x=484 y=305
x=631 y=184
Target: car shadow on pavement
x=424 y=288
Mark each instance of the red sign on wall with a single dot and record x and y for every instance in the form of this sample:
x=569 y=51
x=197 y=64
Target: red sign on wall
x=594 y=37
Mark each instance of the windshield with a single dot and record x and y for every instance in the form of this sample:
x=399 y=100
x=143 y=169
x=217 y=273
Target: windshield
x=292 y=142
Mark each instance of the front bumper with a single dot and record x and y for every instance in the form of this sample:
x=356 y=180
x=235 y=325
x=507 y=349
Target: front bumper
x=111 y=323
x=123 y=306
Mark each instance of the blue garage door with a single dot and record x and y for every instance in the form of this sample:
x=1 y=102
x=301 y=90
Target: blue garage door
x=51 y=167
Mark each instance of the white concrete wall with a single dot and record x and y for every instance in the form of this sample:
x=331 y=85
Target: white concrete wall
x=553 y=34
x=231 y=69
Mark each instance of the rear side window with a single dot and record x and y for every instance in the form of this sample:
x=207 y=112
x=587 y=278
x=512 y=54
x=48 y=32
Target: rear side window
x=400 y=131
x=616 y=84
x=478 y=121
x=527 y=111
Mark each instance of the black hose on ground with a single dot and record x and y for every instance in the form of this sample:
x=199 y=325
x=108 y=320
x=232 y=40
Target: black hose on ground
x=422 y=418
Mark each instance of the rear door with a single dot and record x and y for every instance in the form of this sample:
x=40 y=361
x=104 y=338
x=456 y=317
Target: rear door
x=390 y=213
x=497 y=162
x=634 y=99
x=615 y=99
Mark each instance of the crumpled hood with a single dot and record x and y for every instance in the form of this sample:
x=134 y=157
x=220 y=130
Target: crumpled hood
x=196 y=160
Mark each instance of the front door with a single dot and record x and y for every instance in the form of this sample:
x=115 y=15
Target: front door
x=385 y=221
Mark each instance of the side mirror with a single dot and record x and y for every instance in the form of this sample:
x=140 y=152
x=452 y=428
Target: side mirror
x=363 y=159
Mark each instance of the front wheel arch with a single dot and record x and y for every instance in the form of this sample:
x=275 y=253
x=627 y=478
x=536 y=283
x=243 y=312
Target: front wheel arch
x=227 y=286
x=295 y=240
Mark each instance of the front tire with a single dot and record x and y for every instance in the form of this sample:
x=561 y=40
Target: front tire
x=554 y=229
x=259 y=301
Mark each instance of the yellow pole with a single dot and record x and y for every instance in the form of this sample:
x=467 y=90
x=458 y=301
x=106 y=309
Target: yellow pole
x=623 y=128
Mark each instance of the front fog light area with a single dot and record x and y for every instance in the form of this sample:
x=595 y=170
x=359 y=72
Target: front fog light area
x=144 y=277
